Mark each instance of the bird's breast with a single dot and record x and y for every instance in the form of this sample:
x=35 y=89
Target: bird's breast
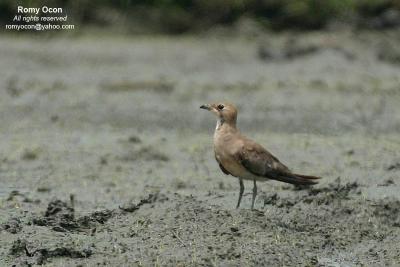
x=225 y=156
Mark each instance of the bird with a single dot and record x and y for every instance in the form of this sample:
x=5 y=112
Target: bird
x=245 y=159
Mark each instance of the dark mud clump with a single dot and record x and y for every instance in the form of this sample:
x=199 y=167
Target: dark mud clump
x=131 y=207
x=59 y=215
x=29 y=257
x=58 y=207
x=100 y=217
x=12 y=226
x=43 y=254
x=18 y=247
x=61 y=218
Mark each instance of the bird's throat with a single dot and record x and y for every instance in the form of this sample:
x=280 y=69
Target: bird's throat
x=220 y=122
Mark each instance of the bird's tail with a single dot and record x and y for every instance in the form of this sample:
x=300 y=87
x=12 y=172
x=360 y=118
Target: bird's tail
x=297 y=179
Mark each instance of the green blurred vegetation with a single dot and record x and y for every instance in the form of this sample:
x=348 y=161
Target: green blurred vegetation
x=177 y=16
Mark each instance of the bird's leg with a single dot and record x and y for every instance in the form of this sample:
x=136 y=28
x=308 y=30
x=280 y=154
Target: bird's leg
x=254 y=194
x=240 y=192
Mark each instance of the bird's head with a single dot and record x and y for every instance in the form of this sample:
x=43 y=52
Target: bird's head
x=225 y=112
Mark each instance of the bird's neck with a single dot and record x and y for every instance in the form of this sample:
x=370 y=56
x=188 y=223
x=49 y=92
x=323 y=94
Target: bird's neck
x=224 y=125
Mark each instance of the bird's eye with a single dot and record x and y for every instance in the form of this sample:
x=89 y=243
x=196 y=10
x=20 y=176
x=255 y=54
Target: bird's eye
x=220 y=106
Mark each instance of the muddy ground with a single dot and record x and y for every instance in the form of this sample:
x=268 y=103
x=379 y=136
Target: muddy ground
x=106 y=158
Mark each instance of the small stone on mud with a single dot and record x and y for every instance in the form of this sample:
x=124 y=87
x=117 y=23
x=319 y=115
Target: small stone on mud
x=234 y=229
x=43 y=189
x=54 y=118
x=179 y=184
x=134 y=139
x=29 y=155
x=103 y=160
x=221 y=186
x=395 y=166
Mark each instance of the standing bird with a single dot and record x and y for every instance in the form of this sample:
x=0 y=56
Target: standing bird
x=245 y=159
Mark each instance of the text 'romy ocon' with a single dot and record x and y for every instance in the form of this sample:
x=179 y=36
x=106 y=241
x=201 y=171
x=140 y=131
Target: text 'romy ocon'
x=36 y=10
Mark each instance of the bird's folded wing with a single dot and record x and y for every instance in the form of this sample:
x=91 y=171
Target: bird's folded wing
x=257 y=160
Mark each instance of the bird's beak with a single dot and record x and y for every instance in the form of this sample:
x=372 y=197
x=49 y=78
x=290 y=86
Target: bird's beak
x=207 y=107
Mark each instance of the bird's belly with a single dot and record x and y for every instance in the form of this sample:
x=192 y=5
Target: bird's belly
x=233 y=168
x=237 y=170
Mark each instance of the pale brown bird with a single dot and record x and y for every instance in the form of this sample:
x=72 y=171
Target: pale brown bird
x=245 y=159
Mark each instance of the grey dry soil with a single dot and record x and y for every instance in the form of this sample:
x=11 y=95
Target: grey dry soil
x=106 y=158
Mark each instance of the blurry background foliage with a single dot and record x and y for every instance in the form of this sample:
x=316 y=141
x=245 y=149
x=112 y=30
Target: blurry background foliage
x=180 y=16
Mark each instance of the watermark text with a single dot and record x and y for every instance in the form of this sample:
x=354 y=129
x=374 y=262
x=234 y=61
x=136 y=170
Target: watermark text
x=39 y=19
